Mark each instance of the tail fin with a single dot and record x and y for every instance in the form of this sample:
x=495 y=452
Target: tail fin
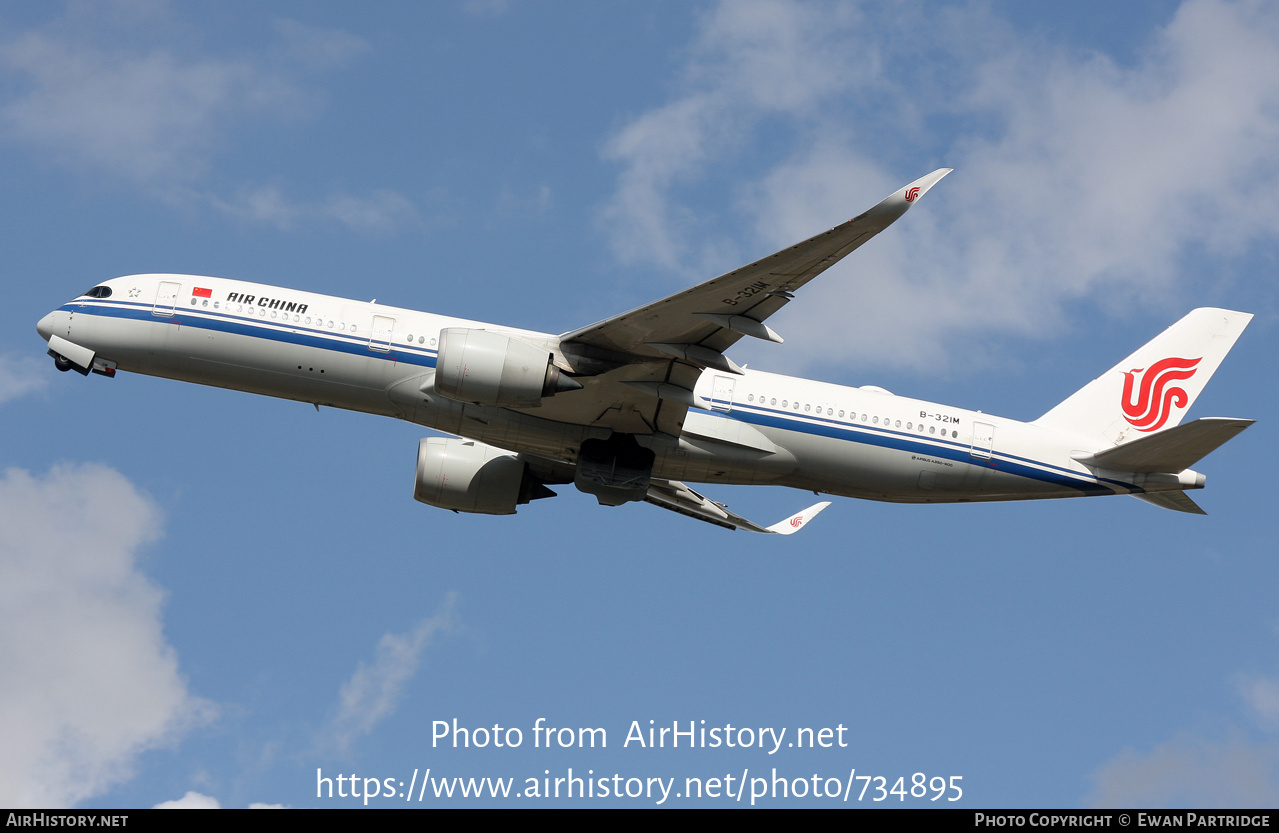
x=1155 y=386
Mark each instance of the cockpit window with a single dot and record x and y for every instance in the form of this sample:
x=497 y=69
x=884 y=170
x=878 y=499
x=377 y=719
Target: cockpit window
x=98 y=292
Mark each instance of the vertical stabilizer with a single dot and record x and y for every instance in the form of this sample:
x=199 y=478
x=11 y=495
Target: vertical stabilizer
x=1155 y=386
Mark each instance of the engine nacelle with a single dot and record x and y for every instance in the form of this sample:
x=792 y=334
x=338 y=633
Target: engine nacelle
x=469 y=476
x=489 y=368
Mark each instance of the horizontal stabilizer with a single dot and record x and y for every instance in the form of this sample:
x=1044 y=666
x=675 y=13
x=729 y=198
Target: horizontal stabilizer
x=1172 y=450
x=677 y=497
x=1176 y=501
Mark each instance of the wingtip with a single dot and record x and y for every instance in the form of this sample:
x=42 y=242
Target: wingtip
x=921 y=186
x=797 y=521
x=899 y=202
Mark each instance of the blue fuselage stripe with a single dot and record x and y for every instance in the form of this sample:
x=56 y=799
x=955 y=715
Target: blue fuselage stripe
x=931 y=447
x=284 y=333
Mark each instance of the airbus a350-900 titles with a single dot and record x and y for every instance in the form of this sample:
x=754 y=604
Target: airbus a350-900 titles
x=638 y=405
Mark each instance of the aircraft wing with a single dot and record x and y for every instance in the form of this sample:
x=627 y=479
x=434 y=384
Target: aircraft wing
x=698 y=324
x=639 y=369
x=677 y=497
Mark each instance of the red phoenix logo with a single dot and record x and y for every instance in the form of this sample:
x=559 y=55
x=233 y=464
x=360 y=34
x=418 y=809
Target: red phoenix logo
x=796 y=522
x=912 y=194
x=1155 y=399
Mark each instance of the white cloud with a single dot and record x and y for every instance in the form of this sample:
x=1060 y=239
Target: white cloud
x=1191 y=771
x=191 y=801
x=1077 y=177
x=753 y=60
x=316 y=48
x=380 y=212
x=374 y=690
x=1261 y=695
x=20 y=375
x=1194 y=771
x=130 y=99
x=147 y=115
x=89 y=681
x=199 y=801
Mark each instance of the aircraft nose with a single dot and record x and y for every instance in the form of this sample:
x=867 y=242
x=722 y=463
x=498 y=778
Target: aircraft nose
x=45 y=326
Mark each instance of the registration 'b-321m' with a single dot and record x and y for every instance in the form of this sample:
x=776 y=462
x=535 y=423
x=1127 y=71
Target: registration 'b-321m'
x=634 y=406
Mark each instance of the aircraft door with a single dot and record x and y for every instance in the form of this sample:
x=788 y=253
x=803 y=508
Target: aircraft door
x=166 y=298
x=383 y=327
x=722 y=393
x=983 y=440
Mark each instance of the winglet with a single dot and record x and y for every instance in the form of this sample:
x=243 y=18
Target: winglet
x=795 y=522
x=919 y=187
x=896 y=204
x=677 y=497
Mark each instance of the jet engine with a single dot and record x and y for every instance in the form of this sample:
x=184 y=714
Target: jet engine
x=469 y=476
x=489 y=368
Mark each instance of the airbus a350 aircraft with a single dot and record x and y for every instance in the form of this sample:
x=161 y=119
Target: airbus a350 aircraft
x=631 y=407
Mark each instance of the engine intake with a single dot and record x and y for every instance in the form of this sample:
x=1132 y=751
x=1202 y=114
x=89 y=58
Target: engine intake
x=469 y=476
x=489 y=368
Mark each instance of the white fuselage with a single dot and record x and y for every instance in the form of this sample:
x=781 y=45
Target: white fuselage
x=759 y=427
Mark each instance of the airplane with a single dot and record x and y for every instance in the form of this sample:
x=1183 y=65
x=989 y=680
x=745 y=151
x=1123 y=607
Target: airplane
x=637 y=405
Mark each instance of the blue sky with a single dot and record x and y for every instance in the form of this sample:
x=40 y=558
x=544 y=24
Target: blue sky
x=211 y=595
